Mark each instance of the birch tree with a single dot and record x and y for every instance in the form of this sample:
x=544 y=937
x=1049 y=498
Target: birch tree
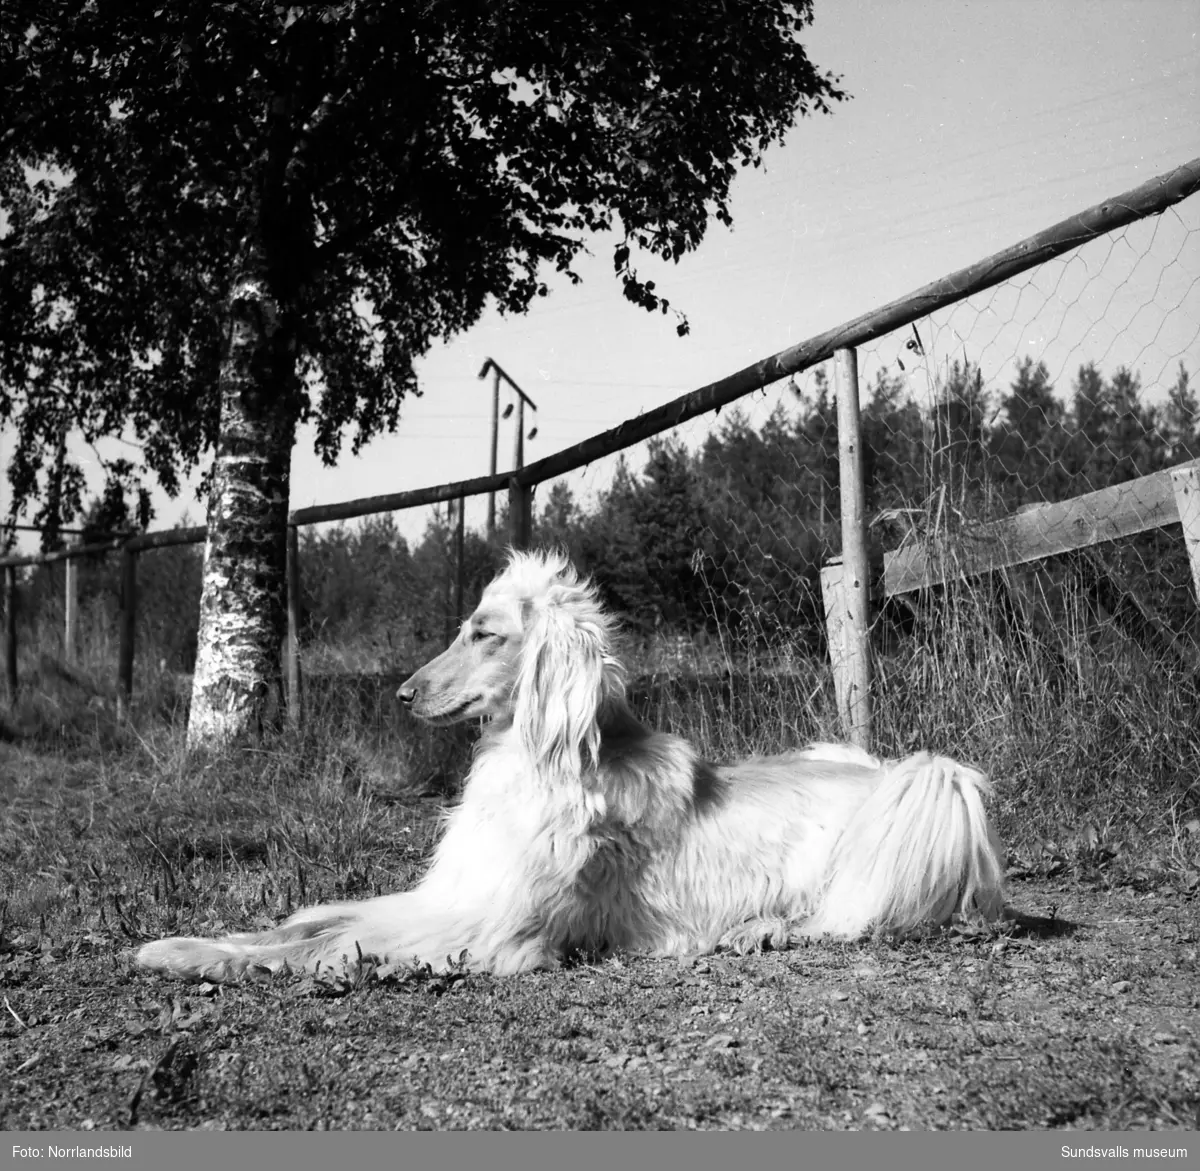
x=223 y=220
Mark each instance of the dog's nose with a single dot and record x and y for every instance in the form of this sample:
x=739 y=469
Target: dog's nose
x=407 y=693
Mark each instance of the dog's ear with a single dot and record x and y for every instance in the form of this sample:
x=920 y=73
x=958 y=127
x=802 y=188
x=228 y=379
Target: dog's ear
x=561 y=683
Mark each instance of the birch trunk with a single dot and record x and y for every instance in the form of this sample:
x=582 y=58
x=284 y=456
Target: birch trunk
x=237 y=688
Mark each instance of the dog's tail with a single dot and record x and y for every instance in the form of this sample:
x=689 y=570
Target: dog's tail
x=919 y=850
x=398 y=929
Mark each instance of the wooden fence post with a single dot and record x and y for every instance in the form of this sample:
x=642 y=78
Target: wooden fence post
x=295 y=683
x=1186 y=482
x=856 y=578
x=10 y=631
x=71 y=611
x=128 y=625
x=520 y=513
x=449 y=629
x=835 y=632
x=460 y=573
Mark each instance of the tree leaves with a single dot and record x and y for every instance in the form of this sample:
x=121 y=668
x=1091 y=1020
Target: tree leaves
x=412 y=165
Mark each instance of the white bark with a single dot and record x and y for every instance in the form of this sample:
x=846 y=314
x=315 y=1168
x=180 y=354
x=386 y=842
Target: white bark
x=237 y=686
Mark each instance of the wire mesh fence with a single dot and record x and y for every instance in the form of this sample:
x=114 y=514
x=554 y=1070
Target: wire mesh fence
x=708 y=538
x=1071 y=378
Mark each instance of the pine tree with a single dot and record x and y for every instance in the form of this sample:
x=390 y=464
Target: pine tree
x=1181 y=420
x=1029 y=437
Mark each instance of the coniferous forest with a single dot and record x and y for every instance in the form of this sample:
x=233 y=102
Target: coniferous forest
x=727 y=535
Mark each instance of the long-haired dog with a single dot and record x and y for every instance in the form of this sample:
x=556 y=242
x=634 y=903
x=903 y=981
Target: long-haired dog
x=581 y=830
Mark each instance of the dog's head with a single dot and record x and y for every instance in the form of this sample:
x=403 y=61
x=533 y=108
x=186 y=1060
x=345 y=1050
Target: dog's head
x=537 y=652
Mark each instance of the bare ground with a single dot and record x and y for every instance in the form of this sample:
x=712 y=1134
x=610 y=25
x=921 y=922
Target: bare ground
x=1085 y=1014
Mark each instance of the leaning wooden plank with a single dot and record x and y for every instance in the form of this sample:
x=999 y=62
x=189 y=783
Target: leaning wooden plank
x=1042 y=530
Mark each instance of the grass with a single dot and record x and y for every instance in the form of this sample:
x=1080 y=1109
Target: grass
x=1082 y=1013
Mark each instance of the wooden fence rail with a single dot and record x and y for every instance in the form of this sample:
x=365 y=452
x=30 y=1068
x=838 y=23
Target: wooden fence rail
x=1031 y=534
x=1046 y=530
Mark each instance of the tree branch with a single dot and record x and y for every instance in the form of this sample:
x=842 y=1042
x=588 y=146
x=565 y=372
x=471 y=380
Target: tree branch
x=352 y=235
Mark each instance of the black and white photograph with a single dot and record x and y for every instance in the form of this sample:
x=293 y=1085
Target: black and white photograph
x=600 y=567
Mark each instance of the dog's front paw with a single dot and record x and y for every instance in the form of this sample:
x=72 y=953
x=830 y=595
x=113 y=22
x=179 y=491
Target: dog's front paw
x=758 y=935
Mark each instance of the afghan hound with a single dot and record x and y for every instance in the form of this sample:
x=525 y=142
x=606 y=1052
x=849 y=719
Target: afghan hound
x=580 y=830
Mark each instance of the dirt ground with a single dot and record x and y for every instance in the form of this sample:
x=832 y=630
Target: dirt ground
x=1085 y=1015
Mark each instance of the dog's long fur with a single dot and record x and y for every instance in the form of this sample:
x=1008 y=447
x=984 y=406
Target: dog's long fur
x=582 y=830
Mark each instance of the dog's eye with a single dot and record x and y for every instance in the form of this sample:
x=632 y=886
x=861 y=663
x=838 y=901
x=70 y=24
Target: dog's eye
x=480 y=635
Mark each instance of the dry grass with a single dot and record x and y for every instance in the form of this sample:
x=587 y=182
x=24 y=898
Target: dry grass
x=1084 y=1014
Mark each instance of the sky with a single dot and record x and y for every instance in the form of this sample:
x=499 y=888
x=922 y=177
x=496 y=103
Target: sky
x=972 y=125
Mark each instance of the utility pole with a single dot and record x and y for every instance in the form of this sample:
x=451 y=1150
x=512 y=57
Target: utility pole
x=498 y=373
x=491 y=519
